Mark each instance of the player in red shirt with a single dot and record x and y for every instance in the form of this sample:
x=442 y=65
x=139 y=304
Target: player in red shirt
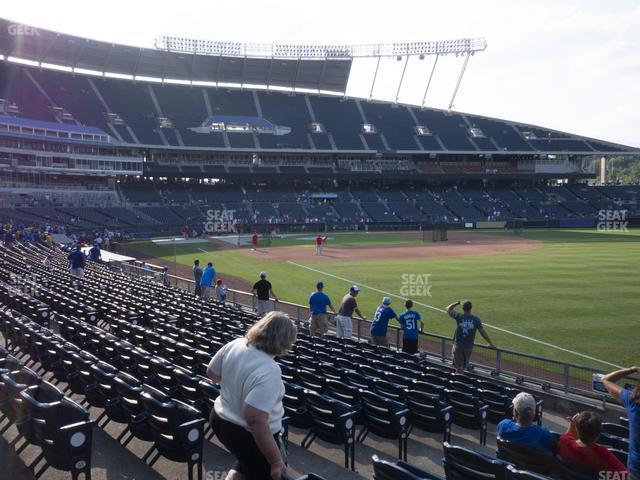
x=578 y=445
x=319 y=243
x=254 y=241
x=185 y=232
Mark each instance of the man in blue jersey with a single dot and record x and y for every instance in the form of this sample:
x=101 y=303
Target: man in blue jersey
x=207 y=280
x=409 y=323
x=464 y=338
x=380 y=323
x=318 y=303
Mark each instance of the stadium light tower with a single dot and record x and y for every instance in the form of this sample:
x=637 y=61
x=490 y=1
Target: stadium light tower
x=319 y=52
x=465 y=47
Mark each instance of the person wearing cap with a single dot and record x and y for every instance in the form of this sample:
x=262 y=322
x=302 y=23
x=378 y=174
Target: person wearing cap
x=380 y=323
x=464 y=338
x=578 y=445
x=349 y=305
x=521 y=429
x=409 y=322
x=262 y=289
x=318 y=303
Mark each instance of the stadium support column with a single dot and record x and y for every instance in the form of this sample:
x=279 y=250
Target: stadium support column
x=433 y=70
x=603 y=170
x=404 y=70
x=375 y=76
x=455 y=91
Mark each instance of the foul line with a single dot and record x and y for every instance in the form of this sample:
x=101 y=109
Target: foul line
x=546 y=344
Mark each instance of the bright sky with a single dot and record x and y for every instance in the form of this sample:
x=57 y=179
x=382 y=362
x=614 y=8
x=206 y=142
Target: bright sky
x=572 y=65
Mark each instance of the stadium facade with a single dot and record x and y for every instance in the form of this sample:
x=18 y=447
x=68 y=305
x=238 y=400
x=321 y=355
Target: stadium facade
x=93 y=133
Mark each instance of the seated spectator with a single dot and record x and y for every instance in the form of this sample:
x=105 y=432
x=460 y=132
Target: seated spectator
x=521 y=429
x=578 y=445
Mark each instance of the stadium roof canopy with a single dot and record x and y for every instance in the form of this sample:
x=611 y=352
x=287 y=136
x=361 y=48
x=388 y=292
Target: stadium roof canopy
x=49 y=47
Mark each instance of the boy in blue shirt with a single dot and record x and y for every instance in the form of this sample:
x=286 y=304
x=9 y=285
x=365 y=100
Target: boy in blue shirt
x=409 y=323
x=380 y=323
x=318 y=303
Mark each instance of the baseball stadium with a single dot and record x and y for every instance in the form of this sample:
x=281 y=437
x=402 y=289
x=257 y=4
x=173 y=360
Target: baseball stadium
x=171 y=216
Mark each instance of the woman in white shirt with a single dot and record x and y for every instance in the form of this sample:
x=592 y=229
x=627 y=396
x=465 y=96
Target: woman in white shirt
x=247 y=416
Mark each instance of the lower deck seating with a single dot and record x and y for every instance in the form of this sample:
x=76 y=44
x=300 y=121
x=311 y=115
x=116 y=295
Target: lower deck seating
x=137 y=351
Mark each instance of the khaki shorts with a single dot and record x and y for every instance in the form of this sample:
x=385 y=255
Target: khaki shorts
x=461 y=356
x=318 y=325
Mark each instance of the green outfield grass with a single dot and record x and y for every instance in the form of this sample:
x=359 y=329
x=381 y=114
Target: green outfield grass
x=580 y=289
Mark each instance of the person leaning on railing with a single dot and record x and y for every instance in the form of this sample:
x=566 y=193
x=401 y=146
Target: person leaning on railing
x=630 y=400
x=348 y=306
x=464 y=338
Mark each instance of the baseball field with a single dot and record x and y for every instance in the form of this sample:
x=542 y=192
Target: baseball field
x=574 y=289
